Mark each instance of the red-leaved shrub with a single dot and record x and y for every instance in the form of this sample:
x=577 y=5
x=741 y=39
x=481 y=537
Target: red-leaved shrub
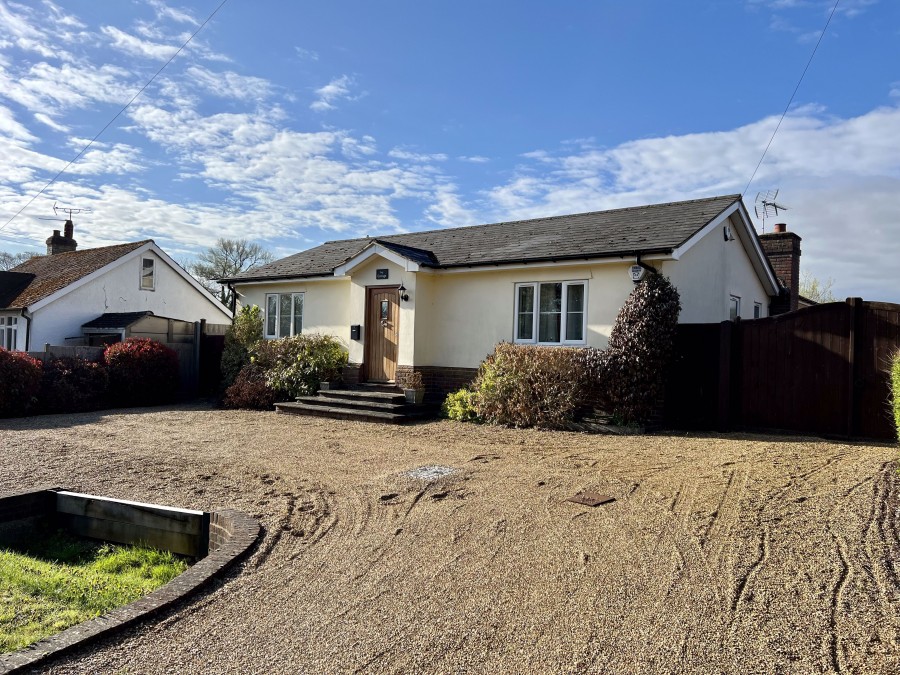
x=141 y=372
x=73 y=385
x=250 y=390
x=20 y=381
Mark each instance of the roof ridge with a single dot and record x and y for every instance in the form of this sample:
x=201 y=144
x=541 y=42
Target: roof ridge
x=734 y=198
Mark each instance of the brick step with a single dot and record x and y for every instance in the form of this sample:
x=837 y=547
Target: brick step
x=345 y=413
x=324 y=399
x=365 y=395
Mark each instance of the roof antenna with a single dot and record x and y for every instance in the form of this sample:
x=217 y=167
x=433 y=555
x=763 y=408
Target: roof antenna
x=69 y=213
x=766 y=206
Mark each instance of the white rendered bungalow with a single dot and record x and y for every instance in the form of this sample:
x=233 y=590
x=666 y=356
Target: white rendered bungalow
x=437 y=302
x=57 y=298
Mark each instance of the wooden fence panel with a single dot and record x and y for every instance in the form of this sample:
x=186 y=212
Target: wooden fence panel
x=880 y=328
x=821 y=370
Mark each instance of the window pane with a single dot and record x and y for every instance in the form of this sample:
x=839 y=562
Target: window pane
x=549 y=321
x=575 y=298
x=298 y=314
x=574 y=325
x=551 y=297
x=147 y=273
x=271 y=313
x=548 y=327
x=284 y=315
x=525 y=319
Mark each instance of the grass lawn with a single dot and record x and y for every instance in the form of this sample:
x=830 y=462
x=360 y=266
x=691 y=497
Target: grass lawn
x=60 y=581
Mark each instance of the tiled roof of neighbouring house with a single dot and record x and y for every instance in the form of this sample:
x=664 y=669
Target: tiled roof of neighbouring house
x=116 y=320
x=51 y=273
x=657 y=228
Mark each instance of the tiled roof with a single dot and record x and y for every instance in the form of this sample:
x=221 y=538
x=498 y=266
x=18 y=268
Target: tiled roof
x=116 y=320
x=51 y=273
x=657 y=228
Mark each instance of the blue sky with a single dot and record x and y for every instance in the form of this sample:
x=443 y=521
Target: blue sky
x=295 y=123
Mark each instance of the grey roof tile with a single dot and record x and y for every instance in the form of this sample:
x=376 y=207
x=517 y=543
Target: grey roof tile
x=619 y=232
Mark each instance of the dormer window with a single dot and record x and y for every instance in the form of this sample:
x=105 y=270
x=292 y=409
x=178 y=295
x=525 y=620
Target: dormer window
x=148 y=274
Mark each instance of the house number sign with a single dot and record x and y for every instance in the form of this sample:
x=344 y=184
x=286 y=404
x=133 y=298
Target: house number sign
x=381 y=274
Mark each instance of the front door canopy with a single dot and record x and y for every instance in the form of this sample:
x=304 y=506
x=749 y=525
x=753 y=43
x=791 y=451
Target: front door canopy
x=410 y=263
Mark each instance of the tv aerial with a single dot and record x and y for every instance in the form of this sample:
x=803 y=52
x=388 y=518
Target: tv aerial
x=766 y=206
x=68 y=211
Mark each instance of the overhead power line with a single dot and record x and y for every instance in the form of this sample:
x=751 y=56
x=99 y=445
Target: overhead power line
x=116 y=116
x=788 y=106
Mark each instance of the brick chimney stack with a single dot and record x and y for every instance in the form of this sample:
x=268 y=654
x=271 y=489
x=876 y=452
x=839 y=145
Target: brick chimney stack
x=783 y=250
x=62 y=244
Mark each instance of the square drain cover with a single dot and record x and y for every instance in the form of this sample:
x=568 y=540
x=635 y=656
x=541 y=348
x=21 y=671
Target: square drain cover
x=591 y=498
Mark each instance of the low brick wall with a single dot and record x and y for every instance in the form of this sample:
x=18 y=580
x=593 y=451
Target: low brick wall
x=231 y=536
x=440 y=380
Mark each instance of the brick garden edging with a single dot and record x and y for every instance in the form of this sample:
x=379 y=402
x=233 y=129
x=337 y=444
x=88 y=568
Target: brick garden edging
x=231 y=535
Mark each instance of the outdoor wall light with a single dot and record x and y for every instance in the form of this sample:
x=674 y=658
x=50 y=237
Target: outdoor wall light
x=402 y=291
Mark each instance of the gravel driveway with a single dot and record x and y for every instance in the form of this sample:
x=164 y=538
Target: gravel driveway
x=734 y=553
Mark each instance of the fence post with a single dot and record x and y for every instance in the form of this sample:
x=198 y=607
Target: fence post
x=856 y=315
x=195 y=371
x=724 y=387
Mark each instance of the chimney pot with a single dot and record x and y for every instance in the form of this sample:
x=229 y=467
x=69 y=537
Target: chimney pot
x=55 y=233
x=781 y=227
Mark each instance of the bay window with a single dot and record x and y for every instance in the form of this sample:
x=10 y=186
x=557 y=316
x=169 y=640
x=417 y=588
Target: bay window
x=284 y=314
x=551 y=312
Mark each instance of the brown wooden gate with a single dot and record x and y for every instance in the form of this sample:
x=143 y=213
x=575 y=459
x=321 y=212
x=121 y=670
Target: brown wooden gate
x=821 y=370
x=382 y=333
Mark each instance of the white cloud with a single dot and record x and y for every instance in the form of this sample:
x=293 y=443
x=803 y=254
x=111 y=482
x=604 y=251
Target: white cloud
x=336 y=90
x=400 y=153
x=228 y=84
x=474 y=159
x=50 y=122
x=135 y=46
x=447 y=209
x=164 y=11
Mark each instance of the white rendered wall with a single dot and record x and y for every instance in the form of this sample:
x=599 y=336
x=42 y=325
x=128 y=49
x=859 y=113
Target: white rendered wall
x=709 y=273
x=118 y=290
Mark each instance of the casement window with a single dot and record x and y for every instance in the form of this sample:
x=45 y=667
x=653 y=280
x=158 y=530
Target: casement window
x=9 y=326
x=551 y=313
x=148 y=274
x=734 y=307
x=757 y=310
x=284 y=314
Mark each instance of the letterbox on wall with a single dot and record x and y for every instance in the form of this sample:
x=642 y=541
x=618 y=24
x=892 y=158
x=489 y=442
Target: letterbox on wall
x=355 y=331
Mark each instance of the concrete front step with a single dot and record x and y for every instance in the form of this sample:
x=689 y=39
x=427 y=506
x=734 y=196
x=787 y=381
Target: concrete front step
x=365 y=395
x=346 y=413
x=326 y=400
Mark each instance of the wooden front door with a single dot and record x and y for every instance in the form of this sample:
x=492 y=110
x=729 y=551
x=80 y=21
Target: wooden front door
x=382 y=333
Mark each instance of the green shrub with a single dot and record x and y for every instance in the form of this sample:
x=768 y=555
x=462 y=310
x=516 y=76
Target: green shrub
x=640 y=349
x=73 y=385
x=895 y=388
x=249 y=390
x=524 y=386
x=461 y=406
x=294 y=366
x=20 y=382
x=243 y=334
x=141 y=372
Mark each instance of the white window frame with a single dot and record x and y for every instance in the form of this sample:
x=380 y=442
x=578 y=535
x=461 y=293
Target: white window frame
x=536 y=285
x=757 y=310
x=9 y=332
x=734 y=300
x=294 y=331
x=152 y=286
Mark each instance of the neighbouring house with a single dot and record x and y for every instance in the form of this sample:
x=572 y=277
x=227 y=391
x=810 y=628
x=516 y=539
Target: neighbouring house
x=437 y=302
x=64 y=297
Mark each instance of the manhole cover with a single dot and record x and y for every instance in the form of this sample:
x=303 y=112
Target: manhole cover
x=591 y=498
x=430 y=472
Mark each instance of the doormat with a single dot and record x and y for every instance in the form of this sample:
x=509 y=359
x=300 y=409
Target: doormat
x=591 y=499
